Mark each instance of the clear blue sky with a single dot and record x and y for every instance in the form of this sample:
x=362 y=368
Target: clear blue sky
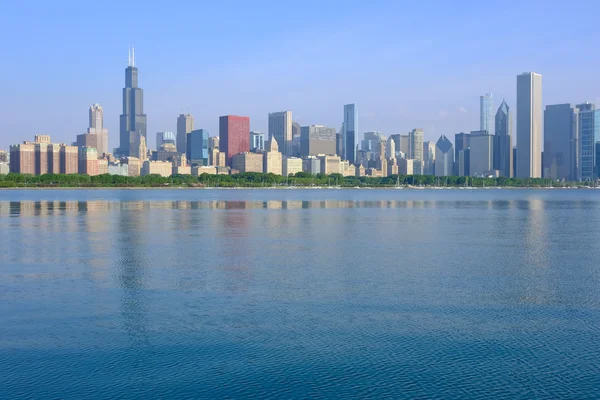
x=406 y=64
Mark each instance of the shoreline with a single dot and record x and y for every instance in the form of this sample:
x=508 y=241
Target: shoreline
x=413 y=188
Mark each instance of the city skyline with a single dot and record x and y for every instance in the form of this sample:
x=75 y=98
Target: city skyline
x=480 y=153
x=254 y=74
x=133 y=102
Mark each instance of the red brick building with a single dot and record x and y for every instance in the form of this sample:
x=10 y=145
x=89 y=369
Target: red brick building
x=22 y=158
x=69 y=159
x=234 y=135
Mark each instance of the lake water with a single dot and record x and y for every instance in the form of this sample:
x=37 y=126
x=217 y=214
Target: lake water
x=299 y=293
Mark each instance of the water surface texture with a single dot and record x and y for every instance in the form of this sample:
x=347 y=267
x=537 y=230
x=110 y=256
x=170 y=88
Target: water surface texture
x=299 y=293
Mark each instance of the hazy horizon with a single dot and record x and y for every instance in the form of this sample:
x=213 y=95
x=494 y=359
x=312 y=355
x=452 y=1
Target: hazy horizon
x=405 y=67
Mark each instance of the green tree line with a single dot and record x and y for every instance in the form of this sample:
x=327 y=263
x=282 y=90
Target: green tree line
x=253 y=179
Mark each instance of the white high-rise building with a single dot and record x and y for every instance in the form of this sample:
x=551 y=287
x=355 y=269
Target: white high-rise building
x=529 y=125
x=280 y=128
x=391 y=149
x=415 y=147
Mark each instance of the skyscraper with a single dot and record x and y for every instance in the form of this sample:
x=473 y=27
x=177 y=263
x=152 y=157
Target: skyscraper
x=163 y=138
x=185 y=125
x=257 y=141
x=461 y=143
x=96 y=135
x=390 y=151
x=560 y=142
x=444 y=157
x=529 y=125
x=428 y=157
x=486 y=113
x=22 y=158
x=96 y=116
x=317 y=139
x=481 y=154
x=589 y=138
x=234 y=136
x=280 y=128
x=371 y=142
x=503 y=152
x=197 y=147
x=349 y=132
x=404 y=146
x=133 y=119
x=415 y=144
x=272 y=158
x=296 y=130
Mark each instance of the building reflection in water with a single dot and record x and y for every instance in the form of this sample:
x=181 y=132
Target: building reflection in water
x=131 y=273
x=32 y=208
x=537 y=277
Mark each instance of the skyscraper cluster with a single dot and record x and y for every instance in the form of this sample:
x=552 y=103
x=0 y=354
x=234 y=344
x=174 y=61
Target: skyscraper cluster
x=562 y=142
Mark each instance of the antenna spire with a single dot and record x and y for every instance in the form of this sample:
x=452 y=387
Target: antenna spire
x=132 y=56
x=129 y=57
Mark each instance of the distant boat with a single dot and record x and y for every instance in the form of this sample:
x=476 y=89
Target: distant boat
x=398 y=183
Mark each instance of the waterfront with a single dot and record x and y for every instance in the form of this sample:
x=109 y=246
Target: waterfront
x=298 y=293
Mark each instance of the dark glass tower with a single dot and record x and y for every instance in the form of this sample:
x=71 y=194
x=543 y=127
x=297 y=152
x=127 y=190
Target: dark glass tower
x=133 y=119
x=503 y=149
x=349 y=132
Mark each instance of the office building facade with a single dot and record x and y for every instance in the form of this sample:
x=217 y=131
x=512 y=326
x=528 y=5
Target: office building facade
x=291 y=166
x=280 y=128
x=560 y=142
x=22 y=158
x=247 y=162
x=461 y=142
x=444 y=157
x=234 y=136
x=529 y=125
x=428 y=158
x=415 y=144
x=311 y=165
x=88 y=161
x=257 y=141
x=197 y=147
x=273 y=158
x=317 y=139
x=486 y=113
x=481 y=155
x=97 y=134
x=132 y=123
x=185 y=125
x=164 y=138
x=503 y=153
x=330 y=164
x=589 y=137
x=349 y=133
x=162 y=168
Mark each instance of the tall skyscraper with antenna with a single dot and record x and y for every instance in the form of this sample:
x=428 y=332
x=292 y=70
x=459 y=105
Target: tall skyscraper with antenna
x=133 y=119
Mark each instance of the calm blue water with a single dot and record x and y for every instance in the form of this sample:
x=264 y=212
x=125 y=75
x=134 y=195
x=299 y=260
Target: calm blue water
x=292 y=294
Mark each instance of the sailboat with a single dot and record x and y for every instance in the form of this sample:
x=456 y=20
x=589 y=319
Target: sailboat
x=398 y=183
